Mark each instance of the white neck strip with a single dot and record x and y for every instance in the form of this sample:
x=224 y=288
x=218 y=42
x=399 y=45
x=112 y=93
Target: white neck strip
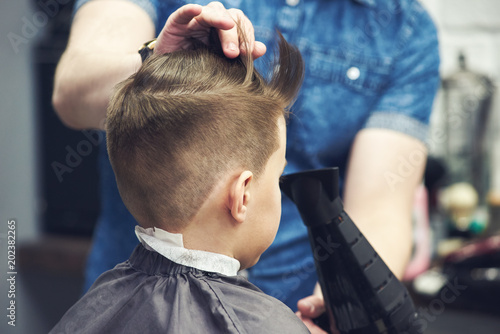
x=171 y=246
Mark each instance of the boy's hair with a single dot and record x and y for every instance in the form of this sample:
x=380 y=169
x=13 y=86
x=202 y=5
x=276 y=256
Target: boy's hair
x=186 y=118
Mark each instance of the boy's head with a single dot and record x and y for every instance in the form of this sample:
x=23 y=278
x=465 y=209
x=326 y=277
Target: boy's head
x=188 y=119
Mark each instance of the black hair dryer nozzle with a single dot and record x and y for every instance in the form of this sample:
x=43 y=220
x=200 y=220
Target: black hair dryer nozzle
x=362 y=296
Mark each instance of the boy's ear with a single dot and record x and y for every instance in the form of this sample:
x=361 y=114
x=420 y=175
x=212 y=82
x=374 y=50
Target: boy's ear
x=240 y=195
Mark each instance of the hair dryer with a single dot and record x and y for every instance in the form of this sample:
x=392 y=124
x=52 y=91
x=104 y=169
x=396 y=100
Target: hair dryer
x=362 y=295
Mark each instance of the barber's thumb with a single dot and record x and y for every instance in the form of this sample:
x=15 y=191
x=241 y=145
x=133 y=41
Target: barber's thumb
x=311 y=307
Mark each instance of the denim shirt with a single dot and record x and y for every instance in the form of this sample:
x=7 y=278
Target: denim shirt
x=369 y=64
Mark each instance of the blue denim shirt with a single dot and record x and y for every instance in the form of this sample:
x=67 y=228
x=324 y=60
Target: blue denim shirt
x=369 y=64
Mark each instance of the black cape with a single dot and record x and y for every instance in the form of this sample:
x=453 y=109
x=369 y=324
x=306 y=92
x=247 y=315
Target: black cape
x=151 y=294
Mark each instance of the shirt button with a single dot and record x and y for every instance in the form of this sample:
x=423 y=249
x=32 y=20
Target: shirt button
x=353 y=73
x=292 y=3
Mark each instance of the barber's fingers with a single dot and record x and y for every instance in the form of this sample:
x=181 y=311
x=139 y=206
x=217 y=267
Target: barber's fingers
x=217 y=16
x=259 y=49
x=312 y=306
x=311 y=326
x=185 y=14
x=191 y=21
x=175 y=31
x=228 y=36
x=195 y=21
x=256 y=49
x=201 y=18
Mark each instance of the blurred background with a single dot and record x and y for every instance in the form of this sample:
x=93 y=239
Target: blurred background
x=48 y=177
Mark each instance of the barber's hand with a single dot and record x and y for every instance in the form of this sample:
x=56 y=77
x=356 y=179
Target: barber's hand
x=310 y=308
x=194 y=21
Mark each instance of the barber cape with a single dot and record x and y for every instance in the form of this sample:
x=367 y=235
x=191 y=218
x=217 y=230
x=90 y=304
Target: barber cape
x=166 y=288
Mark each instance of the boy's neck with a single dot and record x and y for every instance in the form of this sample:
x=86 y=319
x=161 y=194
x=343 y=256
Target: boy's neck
x=211 y=234
x=212 y=229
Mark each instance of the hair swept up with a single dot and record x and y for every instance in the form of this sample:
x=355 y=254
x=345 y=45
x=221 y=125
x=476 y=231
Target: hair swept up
x=185 y=118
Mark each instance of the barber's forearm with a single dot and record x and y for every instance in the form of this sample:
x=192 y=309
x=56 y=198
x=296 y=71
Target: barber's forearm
x=101 y=52
x=84 y=83
x=383 y=210
x=389 y=232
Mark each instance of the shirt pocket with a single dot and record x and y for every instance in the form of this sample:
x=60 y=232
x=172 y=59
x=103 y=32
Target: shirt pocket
x=362 y=74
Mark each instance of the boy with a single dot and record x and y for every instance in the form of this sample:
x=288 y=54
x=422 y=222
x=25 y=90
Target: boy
x=197 y=142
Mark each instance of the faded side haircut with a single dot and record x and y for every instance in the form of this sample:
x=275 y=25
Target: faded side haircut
x=186 y=118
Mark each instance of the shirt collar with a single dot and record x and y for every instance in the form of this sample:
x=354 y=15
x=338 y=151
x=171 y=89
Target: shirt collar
x=369 y=3
x=171 y=246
